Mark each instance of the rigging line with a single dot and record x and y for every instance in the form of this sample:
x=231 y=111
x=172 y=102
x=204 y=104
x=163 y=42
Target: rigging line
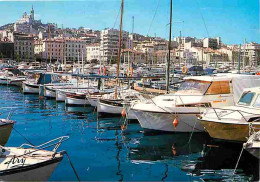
x=205 y=25
x=117 y=17
x=113 y=28
x=153 y=17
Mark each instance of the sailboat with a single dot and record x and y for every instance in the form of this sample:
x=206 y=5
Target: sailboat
x=6 y=127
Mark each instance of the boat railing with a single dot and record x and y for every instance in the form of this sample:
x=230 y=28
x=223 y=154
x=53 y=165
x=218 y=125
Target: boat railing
x=221 y=115
x=55 y=142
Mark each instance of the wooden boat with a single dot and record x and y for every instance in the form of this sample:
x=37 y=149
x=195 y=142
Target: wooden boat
x=234 y=123
x=77 y=99
x=253 y=145
x=30 y=163
x=6 y=127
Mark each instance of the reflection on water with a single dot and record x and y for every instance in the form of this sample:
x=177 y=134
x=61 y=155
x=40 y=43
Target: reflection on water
x=100 y=150
x=166 y=146
x=219 y=161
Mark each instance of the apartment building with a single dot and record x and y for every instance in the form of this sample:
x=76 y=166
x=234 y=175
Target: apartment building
x=57 y=49
x=93 y=52
x=23 y=47
x=213 y=43
x=110 y=43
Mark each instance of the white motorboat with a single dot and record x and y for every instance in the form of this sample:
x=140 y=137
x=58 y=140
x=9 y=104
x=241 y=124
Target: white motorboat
x=234 y=123
x=30 y=163
x=6 y=127
x=178 y=112
x=253 y=144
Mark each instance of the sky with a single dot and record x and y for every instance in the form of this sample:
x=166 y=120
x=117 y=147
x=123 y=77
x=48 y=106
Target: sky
x=232 y=20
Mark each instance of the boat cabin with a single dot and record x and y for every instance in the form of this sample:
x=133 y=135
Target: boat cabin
x=206 y=85
x=250 y=98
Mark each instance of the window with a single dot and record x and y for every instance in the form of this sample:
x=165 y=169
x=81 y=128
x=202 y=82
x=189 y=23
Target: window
x=257 y=102
x=193 y=87
x=219 y=87
x=246 y=98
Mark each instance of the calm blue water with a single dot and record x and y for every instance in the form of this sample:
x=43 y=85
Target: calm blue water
x=101 y=151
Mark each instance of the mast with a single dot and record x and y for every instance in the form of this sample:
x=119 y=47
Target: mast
x=50 y=43
x=244 y=56
x=169 y=53
x=239 y=59
x=119 y=50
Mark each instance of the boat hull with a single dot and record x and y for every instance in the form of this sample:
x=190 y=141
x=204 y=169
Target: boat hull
x=76 y=102
x=30 y=89
x=5 y=131
x=49 y=93
x=254 y=151
x=104 y=108
x=60 y=96
x=228 y=131
x=3 y=81
x=164 y=122
x=93 y=101
x=38 y=172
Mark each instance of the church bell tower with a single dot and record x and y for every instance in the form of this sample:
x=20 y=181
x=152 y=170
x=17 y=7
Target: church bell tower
x=32 y=14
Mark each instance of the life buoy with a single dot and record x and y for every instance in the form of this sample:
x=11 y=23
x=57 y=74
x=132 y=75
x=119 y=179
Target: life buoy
x=184 y=69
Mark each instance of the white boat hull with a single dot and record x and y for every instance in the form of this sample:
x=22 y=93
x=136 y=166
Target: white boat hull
x=93 y=101
x=30 y=90
x=38 y=174
x=60 y=96
x=49 y=93
x=74 y=101
x=108 y=109
x=164 y=122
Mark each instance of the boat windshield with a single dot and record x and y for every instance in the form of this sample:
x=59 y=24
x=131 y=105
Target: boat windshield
x=246 y=98
x=257 y=101
x=193 y=87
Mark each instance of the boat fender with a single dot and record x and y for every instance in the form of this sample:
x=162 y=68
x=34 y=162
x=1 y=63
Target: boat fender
x=123 y=113
x=123 y=127
x=184 y=69
x=175 y=123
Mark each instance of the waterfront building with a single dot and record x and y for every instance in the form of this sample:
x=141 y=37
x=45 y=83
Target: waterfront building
x=23 y=47
x=251 y=52
x=6 y=35
x=133 y=56
x=110 y=43
x=58 y=49
x=93 y=52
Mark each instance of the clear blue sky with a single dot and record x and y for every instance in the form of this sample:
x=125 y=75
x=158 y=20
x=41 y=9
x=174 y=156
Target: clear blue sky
x=233 y=20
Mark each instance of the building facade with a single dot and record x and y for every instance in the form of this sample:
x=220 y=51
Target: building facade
x=23 y=47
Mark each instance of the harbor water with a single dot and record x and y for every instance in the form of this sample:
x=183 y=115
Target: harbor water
x=100 y=150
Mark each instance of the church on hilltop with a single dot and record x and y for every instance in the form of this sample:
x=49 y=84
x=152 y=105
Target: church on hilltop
x=26 y=23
